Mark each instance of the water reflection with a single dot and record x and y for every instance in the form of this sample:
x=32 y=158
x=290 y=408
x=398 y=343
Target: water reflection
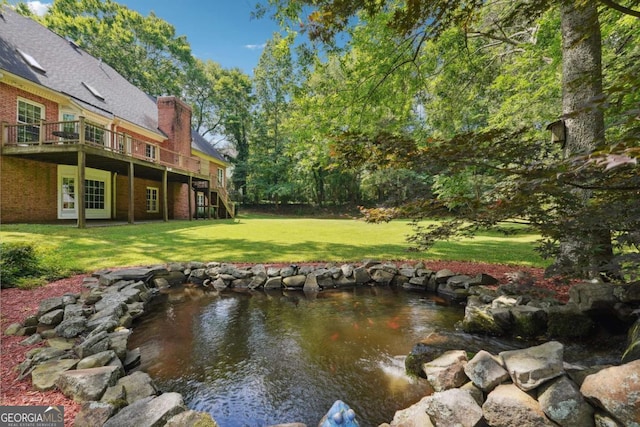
x=255 y=359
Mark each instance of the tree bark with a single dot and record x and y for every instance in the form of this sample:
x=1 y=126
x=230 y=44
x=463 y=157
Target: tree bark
x=589 y=249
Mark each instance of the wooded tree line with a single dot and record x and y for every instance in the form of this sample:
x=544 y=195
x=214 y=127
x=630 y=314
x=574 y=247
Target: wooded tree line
x=420 y=108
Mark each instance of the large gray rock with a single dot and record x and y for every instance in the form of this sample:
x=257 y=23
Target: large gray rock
x=561 y=401
x=61 y=343
x=485 y=372
x=73 y=310
x=508 y=406
x=602 y=419
x=479 y=319
x=568 y=321
x=13 y=329
x=382 y=276
x=311 y=284
x=528 y=321
x=143 y=274
x=593 y=296
x=149 y=412
x=413 y=416
x=447 y=371
x=273 y=283
x=49 y=304
x=97 y=360
x=118 y=342
x=617 y=391
x=361 y=275
x=137 y=386
x=45 y=375
x=453 y=407
x=443 y=275
x=52 y=317
x=93 y=414
x=110 y=299
x=194 y=418
x=71 y=327
x=532 y=366
x=92 y=345
x=87 y=384
x=296 y=281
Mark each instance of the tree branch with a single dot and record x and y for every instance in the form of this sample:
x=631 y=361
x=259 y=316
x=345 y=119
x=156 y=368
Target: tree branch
x=620 y=8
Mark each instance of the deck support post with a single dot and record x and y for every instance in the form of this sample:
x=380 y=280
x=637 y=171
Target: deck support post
x=81 y=188
x=165 y=196
x=189 y=190
x=132 y=199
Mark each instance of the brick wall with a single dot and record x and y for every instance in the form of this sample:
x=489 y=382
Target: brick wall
x=28 y=191
x=177 y=199
x=9 y=105
x=174 y=119
x=179 y=203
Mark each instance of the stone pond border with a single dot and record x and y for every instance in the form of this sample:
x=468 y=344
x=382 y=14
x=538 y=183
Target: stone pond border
x=87 y=357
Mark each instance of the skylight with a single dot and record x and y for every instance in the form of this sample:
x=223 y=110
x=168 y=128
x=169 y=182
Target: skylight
x=93 y=91
x=31 y=61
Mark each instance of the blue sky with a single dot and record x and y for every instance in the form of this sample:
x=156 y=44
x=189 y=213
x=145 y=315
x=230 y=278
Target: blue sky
x=220 y=30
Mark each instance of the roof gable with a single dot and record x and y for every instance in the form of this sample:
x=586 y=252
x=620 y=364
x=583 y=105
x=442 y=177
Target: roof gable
x=67 y=69
x=202 y=145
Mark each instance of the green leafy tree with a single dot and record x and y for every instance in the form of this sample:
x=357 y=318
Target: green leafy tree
x=270 y=163
x=562 y=195
x=236 y=104
x=144 y=49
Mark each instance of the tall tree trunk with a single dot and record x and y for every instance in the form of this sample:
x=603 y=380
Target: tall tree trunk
x=588 y=249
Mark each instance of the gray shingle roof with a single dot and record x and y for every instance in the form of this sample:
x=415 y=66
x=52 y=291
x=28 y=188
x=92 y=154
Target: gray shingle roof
x=199 y=143
x=71 y=71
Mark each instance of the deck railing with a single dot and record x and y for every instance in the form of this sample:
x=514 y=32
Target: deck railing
x=82 y=132
x=52 y=134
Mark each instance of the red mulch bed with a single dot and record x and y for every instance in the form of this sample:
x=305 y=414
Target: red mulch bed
x=17 y=304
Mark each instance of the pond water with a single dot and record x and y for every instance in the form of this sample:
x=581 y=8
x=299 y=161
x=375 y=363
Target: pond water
x=256 y=359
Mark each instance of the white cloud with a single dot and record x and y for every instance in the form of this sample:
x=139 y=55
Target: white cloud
x=38 y=7
x=255 y=46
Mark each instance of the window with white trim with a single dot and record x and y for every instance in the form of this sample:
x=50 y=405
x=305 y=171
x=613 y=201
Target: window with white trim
x=97 y=193
x=29 y=113
x=220 y=177
x=68 y=194
x=150 y=151
x=94 y=196
x=152 y=199
x=94 y=133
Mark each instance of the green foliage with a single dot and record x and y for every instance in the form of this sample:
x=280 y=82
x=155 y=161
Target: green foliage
x=270 y=165
x=393 y=187
x=144 y=49
x=21 y=265
x=17 y=261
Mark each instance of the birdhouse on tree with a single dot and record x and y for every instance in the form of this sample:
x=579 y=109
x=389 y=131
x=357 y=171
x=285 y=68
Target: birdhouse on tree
x=557 y=129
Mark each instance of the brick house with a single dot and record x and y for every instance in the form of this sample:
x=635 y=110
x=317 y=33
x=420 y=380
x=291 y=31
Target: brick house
x=73 y=129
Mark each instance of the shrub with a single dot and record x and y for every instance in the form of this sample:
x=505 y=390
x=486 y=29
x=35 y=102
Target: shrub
x=17 y=260
x=22 y=266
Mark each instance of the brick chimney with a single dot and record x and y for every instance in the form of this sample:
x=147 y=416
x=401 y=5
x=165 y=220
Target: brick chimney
x=174 y=119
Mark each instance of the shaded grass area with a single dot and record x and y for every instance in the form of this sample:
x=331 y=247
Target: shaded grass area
x=257 y=239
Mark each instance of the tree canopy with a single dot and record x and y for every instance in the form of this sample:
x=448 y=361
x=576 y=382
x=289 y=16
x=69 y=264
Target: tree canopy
x=462 y=92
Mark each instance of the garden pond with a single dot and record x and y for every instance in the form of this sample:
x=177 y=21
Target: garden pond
x=264 y=358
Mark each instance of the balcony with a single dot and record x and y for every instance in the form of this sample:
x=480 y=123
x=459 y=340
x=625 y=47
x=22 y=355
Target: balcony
x=51 y=137
x=61 y=143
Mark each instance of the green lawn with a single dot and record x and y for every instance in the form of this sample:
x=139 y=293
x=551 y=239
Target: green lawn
x=256 y=239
